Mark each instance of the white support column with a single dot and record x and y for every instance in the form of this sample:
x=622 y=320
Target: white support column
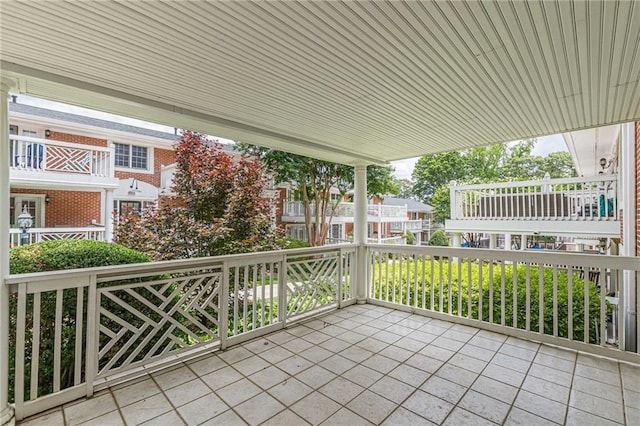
x=457 y=240
x=108 y=215
x=492 y=241
x=523 y=241
x=507 y=241
x=628 y=196
x=6 y=412
x=360 y=231
x=379 y=232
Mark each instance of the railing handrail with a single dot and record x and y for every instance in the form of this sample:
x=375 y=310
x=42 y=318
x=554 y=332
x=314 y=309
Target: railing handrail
x=165 y=265
x=60 y=143
x=532 y=256
x=539 y=182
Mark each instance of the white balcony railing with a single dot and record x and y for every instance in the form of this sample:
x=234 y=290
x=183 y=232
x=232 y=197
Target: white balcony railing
x=81 y=331
x=408 y=225
x=102 y=325
x=37 y=235
x=347 y=210
x=592 y=199
x=46 y=155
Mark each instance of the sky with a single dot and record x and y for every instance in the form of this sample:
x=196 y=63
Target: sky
x=403 y=168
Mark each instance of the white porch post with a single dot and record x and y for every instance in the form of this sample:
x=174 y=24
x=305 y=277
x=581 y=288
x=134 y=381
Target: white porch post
x=360 y=231
x=108 y=215
x=523 y=241
x=457 y=239
x=628 y=248
x=492 y=241
x=507 y=241
x=6 y=412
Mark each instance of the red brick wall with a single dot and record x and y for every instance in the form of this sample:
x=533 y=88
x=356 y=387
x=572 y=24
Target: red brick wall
x=67 y=208
x=161 y=157
x=68 y=137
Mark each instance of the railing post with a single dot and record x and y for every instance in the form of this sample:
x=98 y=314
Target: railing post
x=282 y=292
x=93 y=334
x=108 y=215
x=360 y=231
x=6 y=412
x=112 y=160
x=629 y=248
x=453 y=201
x=223 y=307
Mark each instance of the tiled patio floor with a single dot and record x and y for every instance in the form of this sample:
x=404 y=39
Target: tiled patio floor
x=372 y=365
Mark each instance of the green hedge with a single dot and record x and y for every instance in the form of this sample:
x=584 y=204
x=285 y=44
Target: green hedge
x=439 y=238
x=411 y=274
x=70 y=254
x=52 y=256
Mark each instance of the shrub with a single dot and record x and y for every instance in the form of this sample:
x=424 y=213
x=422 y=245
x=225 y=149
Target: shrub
x=70 y=254
x=439 y=238
x=404 y=283
x=52 y=256
x=410 y=237
x=292 y=243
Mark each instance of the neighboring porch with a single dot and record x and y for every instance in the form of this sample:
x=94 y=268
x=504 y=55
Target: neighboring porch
x=368 y=364
x=575 y=206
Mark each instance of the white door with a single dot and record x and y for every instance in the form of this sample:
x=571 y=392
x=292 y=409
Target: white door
x=34 y=208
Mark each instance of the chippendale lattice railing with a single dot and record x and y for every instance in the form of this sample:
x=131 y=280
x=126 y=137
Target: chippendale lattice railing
x=47 y=155
x=77 y=331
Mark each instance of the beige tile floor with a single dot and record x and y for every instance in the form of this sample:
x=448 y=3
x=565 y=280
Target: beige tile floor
x=371 y=365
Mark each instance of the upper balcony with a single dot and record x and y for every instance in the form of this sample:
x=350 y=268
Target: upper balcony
x=293 y=211
x=46 y=162
x=578 y=206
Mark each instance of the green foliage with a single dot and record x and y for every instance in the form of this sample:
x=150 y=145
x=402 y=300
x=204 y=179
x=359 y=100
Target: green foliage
x=218 y=208
x=410 y=238
x=314 y=179
x=439 y=238
x=292 y=243
x=473 y=287
x=70 y=254
x=52 y=256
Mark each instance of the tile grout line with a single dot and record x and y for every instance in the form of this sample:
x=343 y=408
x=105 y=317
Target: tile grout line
x=400 y=405
x=526 y=374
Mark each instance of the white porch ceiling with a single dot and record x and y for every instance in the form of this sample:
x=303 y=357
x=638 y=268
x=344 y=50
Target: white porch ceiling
x=343 y=81
x=588 y=146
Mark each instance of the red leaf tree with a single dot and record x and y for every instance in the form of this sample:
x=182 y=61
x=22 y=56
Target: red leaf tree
x=218 y=207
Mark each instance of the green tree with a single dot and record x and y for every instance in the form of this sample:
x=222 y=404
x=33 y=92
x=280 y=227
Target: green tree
x=314 y=179
x=439 y=238
x=433 y=171
x=218 y=207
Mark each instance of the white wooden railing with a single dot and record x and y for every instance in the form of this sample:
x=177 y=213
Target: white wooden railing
x=82 y=330
x=593 y=199
x=553 y=295
x=37 y=235
x=346 y=209
x=76 y=332
x=408 y=225
x=46 y=155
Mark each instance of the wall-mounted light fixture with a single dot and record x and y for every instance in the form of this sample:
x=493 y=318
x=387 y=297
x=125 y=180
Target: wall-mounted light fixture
x=47 y=199
x=603 y=163
x=47 y=133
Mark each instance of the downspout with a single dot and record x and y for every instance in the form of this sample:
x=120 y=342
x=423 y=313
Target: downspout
x=628 y=195
x=360 y=231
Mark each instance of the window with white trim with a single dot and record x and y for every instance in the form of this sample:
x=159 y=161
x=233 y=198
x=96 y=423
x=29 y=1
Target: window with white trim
x=131 y=156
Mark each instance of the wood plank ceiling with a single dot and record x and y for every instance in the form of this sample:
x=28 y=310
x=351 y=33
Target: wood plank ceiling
x=345 y=81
